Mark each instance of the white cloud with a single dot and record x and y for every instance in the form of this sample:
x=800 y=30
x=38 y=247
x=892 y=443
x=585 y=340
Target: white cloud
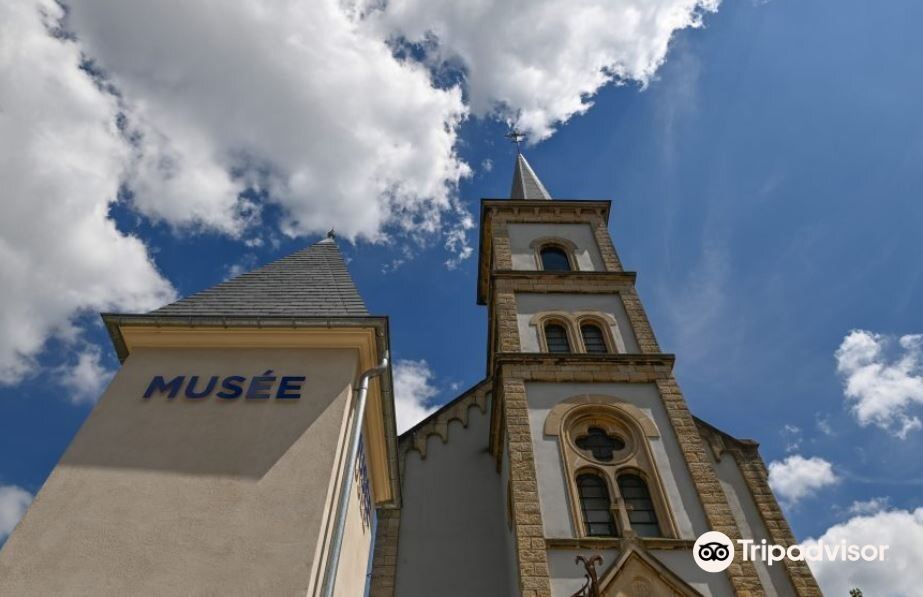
x=13 y=504
x=538 y=63
x=85 y=379
x=869 y=506
x=61 y=160
x=797 y=477
x=791 y=436
x=900 y=574
x=297 y=99
x=413 y=391
x=205 y=119
x=882 y=391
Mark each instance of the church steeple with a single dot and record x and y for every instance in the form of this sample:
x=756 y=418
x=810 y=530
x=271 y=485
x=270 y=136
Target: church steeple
x=526 y=184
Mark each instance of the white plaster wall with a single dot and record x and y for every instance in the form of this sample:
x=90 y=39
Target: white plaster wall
x=567 y=575
x=522 y=235
x=453 y=520
x=681 y=495
x=774 y=578
x=528 y=304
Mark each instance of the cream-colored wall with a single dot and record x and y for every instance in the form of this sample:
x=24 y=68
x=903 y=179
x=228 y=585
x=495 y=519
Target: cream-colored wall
x=188 y=497
x=528 y=304
x=353 y=567
x=587 y=254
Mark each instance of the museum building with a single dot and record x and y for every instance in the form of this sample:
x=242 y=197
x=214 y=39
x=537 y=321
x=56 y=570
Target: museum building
x=247 y=444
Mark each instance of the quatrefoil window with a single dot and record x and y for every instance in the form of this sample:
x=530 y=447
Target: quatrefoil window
x=599 y=443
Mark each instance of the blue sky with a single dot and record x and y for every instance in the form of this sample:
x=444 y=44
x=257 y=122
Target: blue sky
x=766 y=187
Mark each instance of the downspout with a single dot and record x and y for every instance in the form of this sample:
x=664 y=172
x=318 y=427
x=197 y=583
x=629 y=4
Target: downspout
x=355 y=434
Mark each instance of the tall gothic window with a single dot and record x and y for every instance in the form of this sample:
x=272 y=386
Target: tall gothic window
x=640 y=507
x=595 y=505
x=556 y=338
x=554 y=259
x=593 y=338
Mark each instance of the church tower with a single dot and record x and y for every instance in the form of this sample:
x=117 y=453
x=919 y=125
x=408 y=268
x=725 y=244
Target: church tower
x=247 y=445
x=575 y=467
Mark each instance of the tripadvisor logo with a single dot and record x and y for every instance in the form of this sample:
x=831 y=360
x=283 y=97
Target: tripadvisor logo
x=713 y=551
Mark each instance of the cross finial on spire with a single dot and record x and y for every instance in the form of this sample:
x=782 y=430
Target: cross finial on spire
x=515 y=136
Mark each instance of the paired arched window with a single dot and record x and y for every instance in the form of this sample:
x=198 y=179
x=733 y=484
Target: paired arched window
x=566 y=333
x=554 y=259
x=640 y=507
x=556 y=337
x=596 y=506
x=594 y=339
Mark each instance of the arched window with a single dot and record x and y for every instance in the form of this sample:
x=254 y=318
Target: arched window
x=556 y=338
x=593 y=338
x=554 y=259
x=595 y=505
x=640 y=507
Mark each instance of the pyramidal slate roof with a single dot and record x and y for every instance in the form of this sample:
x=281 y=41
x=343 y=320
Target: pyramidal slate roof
x=313 y=282
x=526 y=184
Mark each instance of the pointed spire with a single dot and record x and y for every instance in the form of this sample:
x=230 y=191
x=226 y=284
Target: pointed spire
x=526 y=184
x=312 y=282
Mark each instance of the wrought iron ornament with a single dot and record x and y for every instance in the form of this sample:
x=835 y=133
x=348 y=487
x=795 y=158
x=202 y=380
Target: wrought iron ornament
x=591 y=587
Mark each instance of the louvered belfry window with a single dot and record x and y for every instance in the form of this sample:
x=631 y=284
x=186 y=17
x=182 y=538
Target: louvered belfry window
x=596 y=506
x=556 y=338
x=554 y=259
x=593 y=338
x=640 y=507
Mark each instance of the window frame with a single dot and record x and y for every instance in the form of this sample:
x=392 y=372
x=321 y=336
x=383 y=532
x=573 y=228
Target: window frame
x=567 y=246
x=562 y=320
x=572 y=323
x=612 y=509
x=568 y=419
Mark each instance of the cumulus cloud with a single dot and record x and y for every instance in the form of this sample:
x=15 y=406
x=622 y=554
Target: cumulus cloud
x=13 y=504
x=869 y=506
x=882 y=391
x=86 y=378
x=538 y=63
x=200 y=122
x=413 y=392
x=797 y=477
x=61 y=161
x=900 y=574
x=298 y=101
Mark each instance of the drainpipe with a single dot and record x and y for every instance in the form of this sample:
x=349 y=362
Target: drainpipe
x=355 y=433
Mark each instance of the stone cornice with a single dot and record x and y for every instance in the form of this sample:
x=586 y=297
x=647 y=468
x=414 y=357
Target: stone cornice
x=570 y=278
x=616 y=543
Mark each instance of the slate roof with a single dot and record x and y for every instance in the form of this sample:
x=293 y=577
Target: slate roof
x=313 y=282
x=526 y=184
